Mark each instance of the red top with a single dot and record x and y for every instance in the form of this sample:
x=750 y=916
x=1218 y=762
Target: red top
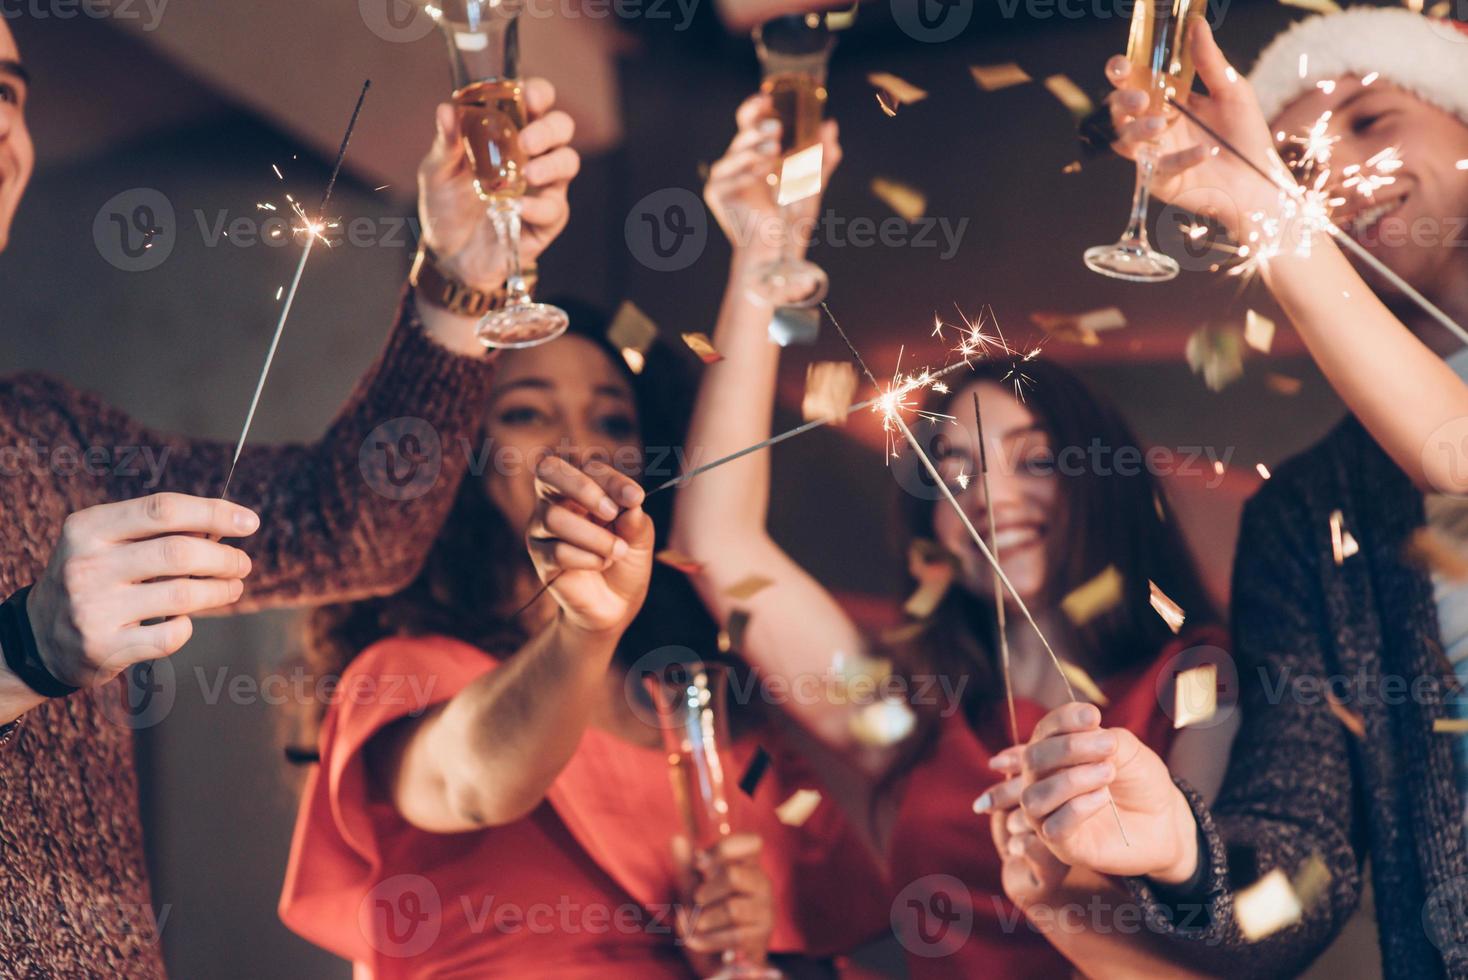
x=583 y=887
x=949 y=909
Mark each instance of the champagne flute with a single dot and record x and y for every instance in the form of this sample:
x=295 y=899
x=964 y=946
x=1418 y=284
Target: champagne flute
x=1157 y=48
x=489 y=100
x=794 y=51
x=692 y=706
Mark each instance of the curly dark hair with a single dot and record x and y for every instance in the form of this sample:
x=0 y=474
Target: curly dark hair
x=466 y=583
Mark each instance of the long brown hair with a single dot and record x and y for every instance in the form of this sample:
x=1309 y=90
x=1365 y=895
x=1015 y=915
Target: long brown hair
x=1102 y=519
x=465 y=588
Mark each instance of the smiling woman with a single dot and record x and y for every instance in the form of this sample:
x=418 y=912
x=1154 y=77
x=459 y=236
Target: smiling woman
x=17 y=154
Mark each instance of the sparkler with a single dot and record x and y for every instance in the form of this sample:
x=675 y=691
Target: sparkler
x=890 y=411
x=313 y=229
x=1000 y=614
x=1317 y=211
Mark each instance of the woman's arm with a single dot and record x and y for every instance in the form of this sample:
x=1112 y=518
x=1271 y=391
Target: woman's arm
x=1401 y=391
x=487 y=757
x=795 y=626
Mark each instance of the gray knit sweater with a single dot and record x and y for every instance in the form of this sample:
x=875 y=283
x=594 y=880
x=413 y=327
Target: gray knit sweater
x=1299 y=783
x=74 y=898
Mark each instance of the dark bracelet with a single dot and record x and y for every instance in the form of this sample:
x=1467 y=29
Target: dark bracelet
x=22 y=655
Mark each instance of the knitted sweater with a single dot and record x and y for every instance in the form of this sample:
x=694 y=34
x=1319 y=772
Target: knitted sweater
x=1300 y=784
x=74 y=897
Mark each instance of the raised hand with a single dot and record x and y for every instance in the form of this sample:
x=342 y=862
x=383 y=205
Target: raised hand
x=455 y=224
x=1192 y=170
x=740 y=192
x=120 y=565
x=1070 y=766
x=595 y=563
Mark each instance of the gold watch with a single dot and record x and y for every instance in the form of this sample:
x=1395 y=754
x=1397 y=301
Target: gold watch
x=448 y=292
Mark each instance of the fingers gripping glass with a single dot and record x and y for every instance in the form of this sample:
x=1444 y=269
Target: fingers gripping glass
x=794 y=52
x=489 y=101
x=1158 y=52
x=692 y=705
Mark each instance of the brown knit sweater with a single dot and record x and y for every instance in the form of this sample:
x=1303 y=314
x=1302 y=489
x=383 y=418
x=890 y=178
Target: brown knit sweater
x=1299 y=784
x=74 y=897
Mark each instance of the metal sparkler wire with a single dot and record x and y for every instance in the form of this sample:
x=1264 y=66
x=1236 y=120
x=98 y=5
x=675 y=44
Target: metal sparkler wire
x=1341 y=238
x=978 y=539
x=1000 y=615
x=285 y=312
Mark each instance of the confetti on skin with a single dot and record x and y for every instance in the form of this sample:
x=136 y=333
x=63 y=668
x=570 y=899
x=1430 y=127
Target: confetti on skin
x=830 y=387
x=1349 y=720
x=1195 y=696
x=1267 y=906
x=992 y=78
x=701 y=345
x=795 y=811
x=747 y=588
x=1070 y=95
x=908 y=202
x=1097 y=597
x=1259 y=331
x=1083 y=684
x=1462 y=164
x=731 y=637
x=680 y=561
x=1172 y=614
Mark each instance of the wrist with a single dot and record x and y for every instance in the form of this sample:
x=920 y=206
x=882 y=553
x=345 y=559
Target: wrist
x=587 y=640
x=1184 y=867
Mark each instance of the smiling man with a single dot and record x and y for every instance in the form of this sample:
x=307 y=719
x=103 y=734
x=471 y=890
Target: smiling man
x=102 y=574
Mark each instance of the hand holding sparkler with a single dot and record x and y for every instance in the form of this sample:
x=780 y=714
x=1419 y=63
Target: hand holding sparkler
x=1032 y=875
x=1189 y=167
x=1072 y=768
x=454 y=224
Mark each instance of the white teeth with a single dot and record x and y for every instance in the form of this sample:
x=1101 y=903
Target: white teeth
x=1016 y=538
x=1367 y=219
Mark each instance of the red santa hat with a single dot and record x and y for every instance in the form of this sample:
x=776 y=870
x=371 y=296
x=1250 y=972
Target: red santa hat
x=1426 y=56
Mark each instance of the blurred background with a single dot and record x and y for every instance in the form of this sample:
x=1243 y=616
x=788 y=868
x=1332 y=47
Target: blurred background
x=177 y=114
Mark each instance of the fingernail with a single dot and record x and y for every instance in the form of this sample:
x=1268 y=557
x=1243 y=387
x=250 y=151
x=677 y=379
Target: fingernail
x=619 y=550
x=769 y=147
x=984 y=803
x=1155 y=124
x=607 y=509
x=1016 y=847
x=771 y=126
x=246 y=521
x=631 y=496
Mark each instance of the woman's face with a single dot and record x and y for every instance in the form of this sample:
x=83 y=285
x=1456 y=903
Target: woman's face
x=565 y=398
x=1022 y=479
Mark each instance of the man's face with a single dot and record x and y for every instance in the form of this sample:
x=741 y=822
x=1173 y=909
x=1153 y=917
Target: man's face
x=1415 y=225
x=17 y=154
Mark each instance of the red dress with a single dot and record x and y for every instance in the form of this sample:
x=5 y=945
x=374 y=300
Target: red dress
x=583 y=887
x=949 y=909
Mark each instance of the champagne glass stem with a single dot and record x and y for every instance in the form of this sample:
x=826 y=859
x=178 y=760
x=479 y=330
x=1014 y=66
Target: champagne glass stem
x=504 y=213
x=1136 y=229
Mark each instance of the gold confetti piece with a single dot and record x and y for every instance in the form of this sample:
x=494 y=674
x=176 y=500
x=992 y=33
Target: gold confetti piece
x=1082 y=683
x=906 y=633
x=840 y=20
x=829 y=388
x=795 y=811
x=1079 y=328
x=1311 y=881
x=1450 y=726
x=1283 y=384
x=1267 y=906
x=1349 y=720
x=922 y=603
x=1195 y=696
x=1070 y=95
x=632 y=330
x=901 y=91
x=883 y=723
x=1259 y=331
x=1440 y=10
x=1172 y=614
x=1217 y=353
x=747 y=588
x=909 y=202
x=701 y=345
x=800 y=175
x=992 y=78
x=1263 y=470
x=1431 y=550
x=868 y=671
x=887 y=110
x=1074 y=167
x=1315 y=6
x=680 y=561
x=1342 y=544
x=635 y=360
x=731 y=637
x=1098 y=596
x=934 y=568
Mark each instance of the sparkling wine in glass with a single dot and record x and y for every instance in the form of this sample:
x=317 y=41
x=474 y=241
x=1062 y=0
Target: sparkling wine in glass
x=692 y=706
x=489 y=99
x=794 y=51
x=1157 y=48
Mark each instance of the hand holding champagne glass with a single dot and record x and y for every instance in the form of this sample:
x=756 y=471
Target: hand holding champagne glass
x=1161 y=65
x=490 y=104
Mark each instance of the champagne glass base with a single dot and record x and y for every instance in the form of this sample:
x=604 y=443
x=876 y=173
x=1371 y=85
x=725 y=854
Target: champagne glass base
x=528 y=325
x=1132 y=262
x=790 y=283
